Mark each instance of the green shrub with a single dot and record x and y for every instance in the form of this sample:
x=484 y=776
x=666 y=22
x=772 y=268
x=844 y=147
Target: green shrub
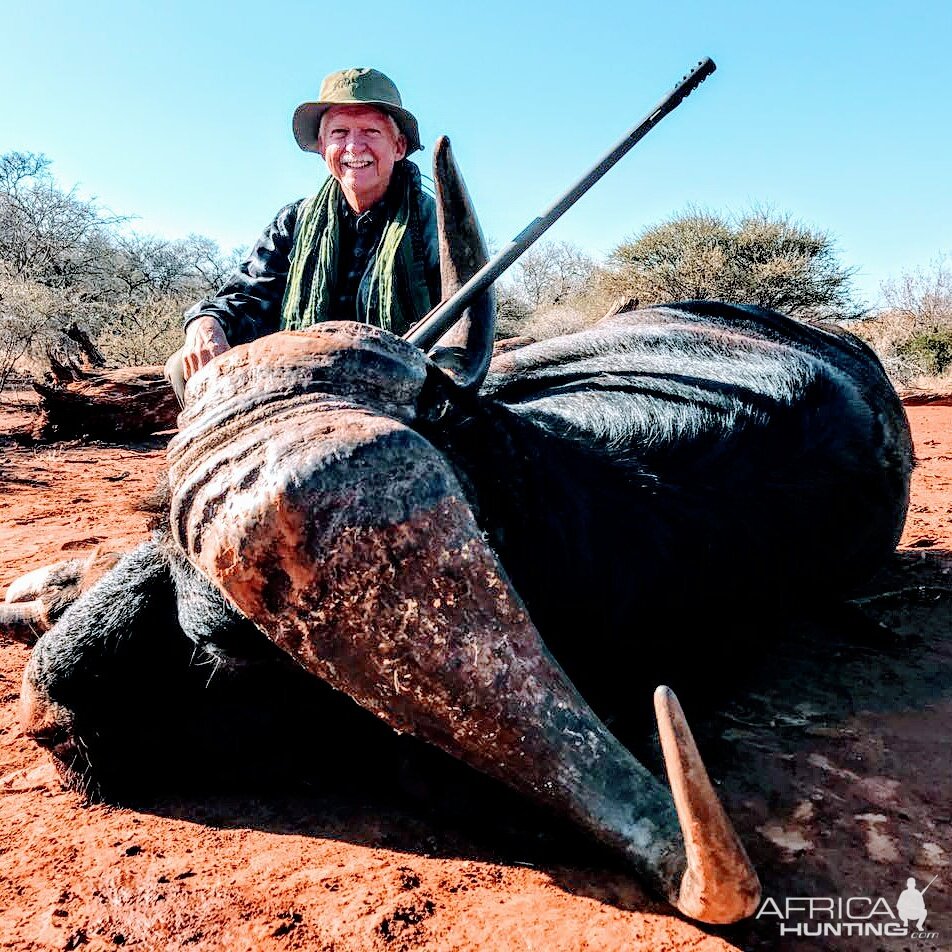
x=930 y=351
x=758 y=257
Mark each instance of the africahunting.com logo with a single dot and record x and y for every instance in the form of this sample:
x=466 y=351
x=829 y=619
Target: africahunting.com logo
x=862 y=916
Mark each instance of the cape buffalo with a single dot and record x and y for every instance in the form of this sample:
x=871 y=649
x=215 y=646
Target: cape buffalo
x=428 y=539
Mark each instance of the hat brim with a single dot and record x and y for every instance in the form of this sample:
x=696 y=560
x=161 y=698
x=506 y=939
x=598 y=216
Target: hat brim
x=307 y=121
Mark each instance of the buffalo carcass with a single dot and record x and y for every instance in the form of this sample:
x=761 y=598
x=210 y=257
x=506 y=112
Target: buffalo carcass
x=428 y=539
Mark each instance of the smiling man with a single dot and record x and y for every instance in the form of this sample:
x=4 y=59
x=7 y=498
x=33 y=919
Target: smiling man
x=364 y=248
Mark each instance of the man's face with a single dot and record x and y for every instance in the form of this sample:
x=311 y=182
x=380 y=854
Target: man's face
x=360 y=147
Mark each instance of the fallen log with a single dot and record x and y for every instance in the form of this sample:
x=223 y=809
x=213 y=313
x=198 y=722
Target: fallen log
x=124 y=403
x=926 y=398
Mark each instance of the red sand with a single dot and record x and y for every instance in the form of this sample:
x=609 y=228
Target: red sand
x=844 y=793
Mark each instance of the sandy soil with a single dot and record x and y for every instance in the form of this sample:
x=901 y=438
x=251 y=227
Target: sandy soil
x=832 y=756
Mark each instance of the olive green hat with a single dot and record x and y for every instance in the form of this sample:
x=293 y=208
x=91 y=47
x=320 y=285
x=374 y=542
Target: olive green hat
x=354 y=87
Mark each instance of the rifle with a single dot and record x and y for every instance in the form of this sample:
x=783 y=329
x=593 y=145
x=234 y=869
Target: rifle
x=435 y=324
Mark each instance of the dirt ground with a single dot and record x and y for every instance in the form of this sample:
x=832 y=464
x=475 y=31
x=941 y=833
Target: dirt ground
x=832 y=757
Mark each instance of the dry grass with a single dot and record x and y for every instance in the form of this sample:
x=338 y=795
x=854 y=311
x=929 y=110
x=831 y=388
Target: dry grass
x=552 y=321
x=889 y=334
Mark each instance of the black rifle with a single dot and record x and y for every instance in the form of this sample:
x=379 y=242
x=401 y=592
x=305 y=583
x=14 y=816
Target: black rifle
x=432 y=327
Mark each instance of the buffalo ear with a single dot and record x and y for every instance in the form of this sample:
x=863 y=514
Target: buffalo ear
x=464 y=351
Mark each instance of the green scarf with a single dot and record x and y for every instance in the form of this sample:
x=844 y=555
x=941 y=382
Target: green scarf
x=398 y=290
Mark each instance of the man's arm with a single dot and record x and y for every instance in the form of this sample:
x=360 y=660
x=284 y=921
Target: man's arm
x=248 y=305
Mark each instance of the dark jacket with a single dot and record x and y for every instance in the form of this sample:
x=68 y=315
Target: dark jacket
x=248 y=305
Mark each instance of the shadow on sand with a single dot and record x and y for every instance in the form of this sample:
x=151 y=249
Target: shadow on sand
x=827 y=733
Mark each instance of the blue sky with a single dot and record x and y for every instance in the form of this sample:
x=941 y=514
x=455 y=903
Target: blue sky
x=838 y=113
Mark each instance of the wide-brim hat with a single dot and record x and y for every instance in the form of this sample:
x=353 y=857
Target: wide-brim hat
x=354 y=87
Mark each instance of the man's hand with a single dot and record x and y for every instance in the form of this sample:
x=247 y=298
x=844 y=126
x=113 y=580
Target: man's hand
x=204 y=339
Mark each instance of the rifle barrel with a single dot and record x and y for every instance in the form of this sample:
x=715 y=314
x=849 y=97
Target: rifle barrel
x=432 y=327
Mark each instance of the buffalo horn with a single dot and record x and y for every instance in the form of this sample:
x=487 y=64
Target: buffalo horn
x=40 y=581
x=347 y=538
x=719 y=884
x=28 y=586
x=464 y=351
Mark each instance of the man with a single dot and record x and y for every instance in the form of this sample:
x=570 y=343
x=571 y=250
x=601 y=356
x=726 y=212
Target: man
x=911 y=905
x=364 y=248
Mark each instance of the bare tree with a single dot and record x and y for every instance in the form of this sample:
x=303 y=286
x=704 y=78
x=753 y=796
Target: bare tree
x=152 y=281
x=208 y=265
x=16 y=167
x=146 y=264
x=548 y=275
x=49 y=235
x=923 y=296
x=143 y=329
x=551 y=272
x=30 y=318
x=126 y=290
x=913 y=333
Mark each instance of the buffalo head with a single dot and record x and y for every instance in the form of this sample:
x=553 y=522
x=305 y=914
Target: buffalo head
x=305 y=488
x=398 y=524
